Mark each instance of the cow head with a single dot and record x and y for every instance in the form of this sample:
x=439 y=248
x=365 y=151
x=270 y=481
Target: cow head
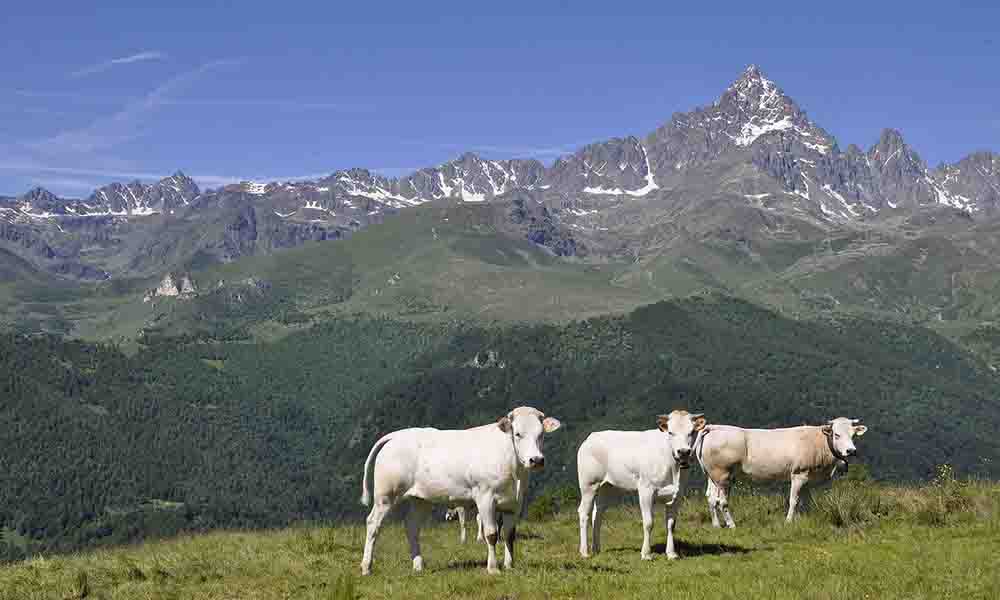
x=527 y=428
x=840 y=434
x=682 y=430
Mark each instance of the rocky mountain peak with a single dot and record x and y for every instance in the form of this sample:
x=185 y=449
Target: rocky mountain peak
x=892 y=153
x=183 y=187
x=39 y=196
x=754 y=105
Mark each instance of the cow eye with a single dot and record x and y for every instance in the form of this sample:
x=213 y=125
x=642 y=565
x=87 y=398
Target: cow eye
x=518 y=435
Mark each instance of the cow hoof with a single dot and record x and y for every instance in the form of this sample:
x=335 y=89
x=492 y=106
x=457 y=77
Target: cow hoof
x=365 y=571
x=584 y=555
x=418 y=563
x=672 y=556
x=492 y=571
x=647 y=557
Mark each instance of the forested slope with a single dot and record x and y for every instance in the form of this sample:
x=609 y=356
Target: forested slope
x=102 y=447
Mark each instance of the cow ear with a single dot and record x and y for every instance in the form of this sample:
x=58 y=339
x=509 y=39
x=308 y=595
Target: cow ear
x=550 y=424
x=504 y=424
x=662 y=421
x=860 y=430
x=827 y=429
x=699 y=422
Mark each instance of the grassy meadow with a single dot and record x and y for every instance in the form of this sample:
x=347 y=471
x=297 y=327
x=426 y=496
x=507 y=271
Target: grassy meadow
x=856 y=540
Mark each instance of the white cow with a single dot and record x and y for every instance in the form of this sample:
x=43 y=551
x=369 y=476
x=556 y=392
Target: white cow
x=486 y=466
x=798 y=454
x=459 y=513
x=653 y=463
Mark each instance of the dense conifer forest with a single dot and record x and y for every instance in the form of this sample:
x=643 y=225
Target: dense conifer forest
x=102 y=446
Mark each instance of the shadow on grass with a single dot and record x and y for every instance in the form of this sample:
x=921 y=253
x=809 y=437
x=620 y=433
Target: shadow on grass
x=696 y=549
x=688 y=549
x=581 y=565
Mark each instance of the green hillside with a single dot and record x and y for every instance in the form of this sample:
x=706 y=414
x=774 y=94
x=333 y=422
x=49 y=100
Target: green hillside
x=192 y=433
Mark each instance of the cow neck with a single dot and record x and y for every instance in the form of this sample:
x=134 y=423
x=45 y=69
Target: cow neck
x=833 y=450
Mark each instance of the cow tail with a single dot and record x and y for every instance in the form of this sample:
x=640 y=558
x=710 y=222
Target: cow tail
x=699 y=444
x=366 y=491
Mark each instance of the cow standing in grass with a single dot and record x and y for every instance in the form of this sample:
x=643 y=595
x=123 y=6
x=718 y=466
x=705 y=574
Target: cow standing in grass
x=487 y=466
x=652 y=463
x=798 y=454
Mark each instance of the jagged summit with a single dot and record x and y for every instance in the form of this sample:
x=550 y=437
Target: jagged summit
x=751 y=77
x=39 y=194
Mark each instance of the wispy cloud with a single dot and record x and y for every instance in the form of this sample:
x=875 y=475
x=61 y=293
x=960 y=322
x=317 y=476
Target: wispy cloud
x=289 y=104
x=91 y=178
x=529 y=151
x=126 y=124
x=511 y=151
x=124 y=60
x=64 y=184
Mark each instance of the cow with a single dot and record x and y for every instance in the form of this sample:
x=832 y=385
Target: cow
x=652 y=463
x=459 y=513
x=799 y=454
x=487 y=466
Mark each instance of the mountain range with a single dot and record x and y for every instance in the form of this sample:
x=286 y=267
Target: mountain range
x=754 y=145
x=747 y=196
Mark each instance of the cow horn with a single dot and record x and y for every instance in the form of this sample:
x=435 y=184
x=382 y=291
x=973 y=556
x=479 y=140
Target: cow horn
x=855 y=421
x=697 y=416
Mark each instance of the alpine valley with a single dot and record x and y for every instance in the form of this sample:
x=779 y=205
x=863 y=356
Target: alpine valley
x=177 y=358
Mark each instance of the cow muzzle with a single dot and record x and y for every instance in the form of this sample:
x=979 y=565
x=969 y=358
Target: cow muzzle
x=536 y=462
x=683 y=457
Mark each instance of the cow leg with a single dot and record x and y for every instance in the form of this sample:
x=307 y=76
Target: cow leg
x=646 y=496
x=488 y=515
x=713 y=500
x=380 y=509
x=479 y=528
x=601 y=502
x=793 y=496
x=461 y=522
x=415 y=517
x=587 y=495
x=673 y=505
x=509 y=530
x=722 y=502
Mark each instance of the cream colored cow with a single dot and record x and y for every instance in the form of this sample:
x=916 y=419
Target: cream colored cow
x=487 y=466
x=798 y=454
x=651 y=463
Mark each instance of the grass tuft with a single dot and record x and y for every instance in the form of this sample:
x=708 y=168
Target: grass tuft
x=850 y=504
x=345 y=588
x=80 y=587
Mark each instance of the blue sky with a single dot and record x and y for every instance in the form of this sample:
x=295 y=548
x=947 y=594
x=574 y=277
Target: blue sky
x=97 y=92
